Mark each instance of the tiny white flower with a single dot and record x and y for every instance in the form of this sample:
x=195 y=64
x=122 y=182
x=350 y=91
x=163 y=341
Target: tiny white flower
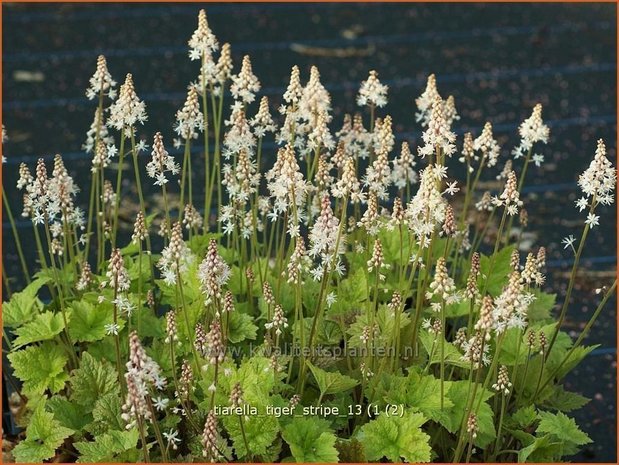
x=569 y=241
x=538 y=159
x=581 y=203
x=111 y=329
x=141 y=146
x=452 y=188
x=172 y=438
x=592 y=220
x=38 y=218
x=161 y=403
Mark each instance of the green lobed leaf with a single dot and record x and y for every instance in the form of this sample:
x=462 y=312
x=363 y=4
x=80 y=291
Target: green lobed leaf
x=256 y=378
x=396 y=438
x=106 y=447
x=310 y=440
x=525 y=416
x=238 y=281
x=92 y=380
x=310 y=291
x=565 y=401
x=432 y=345
x=459 y=394
x=574 y=359
x=386 y=319
x=43 y=436
x=105 y=349
x=526 y=386
x=199 y=244
x=43 y=327
x=351 y=292
x=40 y=368
x=328 y=333
x=87 y=322
x=395 y=249
x=106 y=414
x=331 y=382
x=150 y=324
x=458 y=309
x=423 y=394
x=541 y=307
x=69 y=414
x=260 y=430
x=514 y=347
x=350 y=450
x=65 y=274
x=562 y=427
x=24 y=305
x=495 y=277
x=241 y=327
x=540 y=450
x=273 y=452
x=386 y=388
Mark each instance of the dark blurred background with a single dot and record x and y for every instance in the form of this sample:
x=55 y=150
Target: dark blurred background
x=498 y=60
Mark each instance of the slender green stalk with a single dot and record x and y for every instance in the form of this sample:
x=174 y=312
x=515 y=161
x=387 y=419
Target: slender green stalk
x=421 y=291
x=324 y=285
x=7 y=286
x=442 y=366
x=157 y=430
x=467 y=195
x=471 y=400
x=482 y=164
x=100 y=221
x=470 y=448
x=186 y=163
x=215 y=384
x=520 y=184
x=216 y=172
x=136 y=168
x=182 y=401
x=91 y=209
x=117 y=342
x=94 y=184
x=139 y=307
x=499 y=428
x=242 y=427
x=582 y=335
x=430 y=357
x=20 y=252
x=207 y=155
x=140 y=423
x=495 y=250
x=526 y=368
x=121 y=158
x=166 y=207
x=570 y=286
x=42 y=259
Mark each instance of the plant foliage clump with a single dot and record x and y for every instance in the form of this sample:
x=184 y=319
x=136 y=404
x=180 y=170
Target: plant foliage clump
x=333 y=299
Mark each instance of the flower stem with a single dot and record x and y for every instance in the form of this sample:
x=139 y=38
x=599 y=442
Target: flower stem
x=20 y=252
x=570 y=285
x=121 y=155
x=582 y=335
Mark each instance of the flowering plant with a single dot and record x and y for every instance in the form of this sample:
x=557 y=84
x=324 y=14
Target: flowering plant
x=348 y=305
